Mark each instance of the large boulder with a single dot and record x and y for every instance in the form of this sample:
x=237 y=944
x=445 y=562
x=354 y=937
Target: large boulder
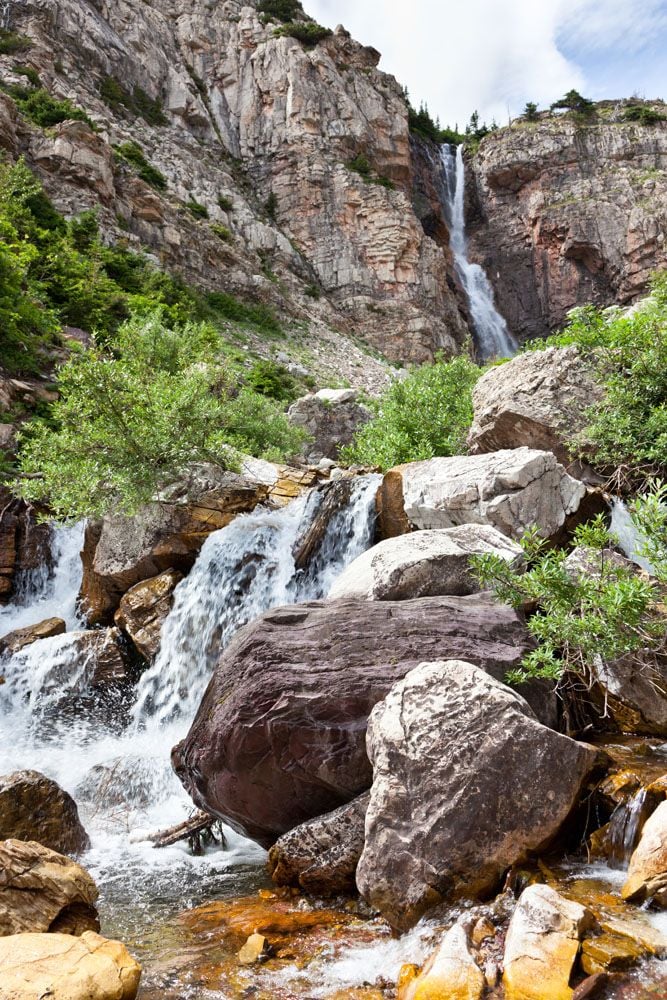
x=633 y=691
x=647 y=872
x=510 y=490
x=543 y=941
x=33 y=807
x=538 y=399
x=120 y=551
x=423 y=564
x=143 y=610
x=321 y=855
x=466 y=783
x=279 y=737
x=451 y=972
x=61 y=967
x=41 y=891
x=331 y=418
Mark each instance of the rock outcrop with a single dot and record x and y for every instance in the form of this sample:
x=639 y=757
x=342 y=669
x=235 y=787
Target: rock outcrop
x=62 y=967
x=423 y=564
x=543 y=941
x=279 y=737
x=466 y=782
x=536 y=400
x=267 y=135
x=451 y=972
x=143 y=609
x=42 y=891
x=321 y=855
x=33 y=807
x=17 y=640
x=647 y=873
x=331 y=418
x=24 y=542
x=562 y=213
x=509 y=490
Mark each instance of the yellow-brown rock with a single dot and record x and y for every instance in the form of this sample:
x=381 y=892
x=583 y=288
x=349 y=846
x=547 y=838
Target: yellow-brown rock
x=42 y=891
x=254 y=950
x=543 y=941
x=647 y=872
x=144 y=608
x=451 y=973
x=610 y=953
x=61 y=967
x=14 y=641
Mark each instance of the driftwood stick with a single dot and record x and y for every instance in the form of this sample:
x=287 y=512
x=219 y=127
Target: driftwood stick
x=195 y=829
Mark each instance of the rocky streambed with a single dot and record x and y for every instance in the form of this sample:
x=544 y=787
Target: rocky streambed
x=344 y=704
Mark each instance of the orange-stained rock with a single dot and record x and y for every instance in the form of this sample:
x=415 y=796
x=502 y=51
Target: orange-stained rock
x=451 y=973
x=543 y=941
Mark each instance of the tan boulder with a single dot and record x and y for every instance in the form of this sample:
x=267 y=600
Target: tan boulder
x=144 y=608
x=509 y=490
x=41 y=891
x=20 y=637
x=647 y=872
x=62 y=967
x=538 y=400
x=33 y=807
x=543 y=941
x=451 y=973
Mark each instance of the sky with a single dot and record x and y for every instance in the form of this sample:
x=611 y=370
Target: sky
x=494 y=55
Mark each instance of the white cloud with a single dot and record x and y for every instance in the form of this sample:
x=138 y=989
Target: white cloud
x=495 y=54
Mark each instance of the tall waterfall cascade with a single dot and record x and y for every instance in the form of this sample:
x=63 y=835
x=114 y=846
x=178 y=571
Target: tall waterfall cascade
x=492 y=335
x=242 y=571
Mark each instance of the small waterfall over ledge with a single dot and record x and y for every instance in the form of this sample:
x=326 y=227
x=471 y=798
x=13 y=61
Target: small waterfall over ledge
x=492 y=336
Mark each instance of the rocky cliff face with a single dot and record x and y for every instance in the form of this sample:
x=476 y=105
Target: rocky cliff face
x=561 y=214
x=259 y=130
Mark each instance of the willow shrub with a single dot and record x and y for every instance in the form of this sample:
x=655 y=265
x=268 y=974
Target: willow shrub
x=426 y=414
x=129 y=422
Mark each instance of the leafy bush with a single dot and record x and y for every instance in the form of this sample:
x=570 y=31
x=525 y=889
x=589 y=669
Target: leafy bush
x=222 y=232
x=643 y=114
x=360 y=165
x=580 y=618
x=44 y=110
x=530 y=111
x=426 y=414
x=573 y=101
x=271 y=206
x=225 y=203
x=269 y=378
x=196 y=210
x=11 y=42
x=128 y=422
x=132 y=153
x=31 y=75
x=255 y=314
x=281 y=10
x=307 y=32
x=627 y=430
x=137 y=102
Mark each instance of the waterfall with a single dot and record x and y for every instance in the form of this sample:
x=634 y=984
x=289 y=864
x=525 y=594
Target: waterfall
x=629 y=539
x=492 y=336
x=242 y=571
x=625 y=827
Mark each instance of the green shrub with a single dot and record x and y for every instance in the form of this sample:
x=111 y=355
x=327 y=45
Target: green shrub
x=196 y=210
x=11 y=42
x=426 y=414
x=627 y=430
x=360 y=165
x=44 y=110
x=281 y=10
x=128 y=423
x=137 y=102
x=307 y=32
x=255 y=314
x=580 y=618
x=643 y=114
x=269 y=378
x=530 y=112
x=225 y=203
x=271 y=206
x=313 y=291
x=31 y=75
x=222 y=232
x=573 y=101
x=132 y=153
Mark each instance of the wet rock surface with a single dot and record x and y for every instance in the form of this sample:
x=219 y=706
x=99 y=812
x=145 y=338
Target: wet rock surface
x=15 y=641
x=647 y=873
x=33 y=807
x=451 y=972
x=279 y=737
x=459 y=760
x=41 y=890
x=143 y=610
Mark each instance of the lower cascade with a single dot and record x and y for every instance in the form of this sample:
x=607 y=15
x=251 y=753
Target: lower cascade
x=493 y=338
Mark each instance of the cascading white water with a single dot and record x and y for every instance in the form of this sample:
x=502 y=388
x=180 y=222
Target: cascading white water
x=628 y=538
x=492 y=336
x=242 y=570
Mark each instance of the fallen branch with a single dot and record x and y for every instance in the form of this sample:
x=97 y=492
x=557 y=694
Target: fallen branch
x=198 y=831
